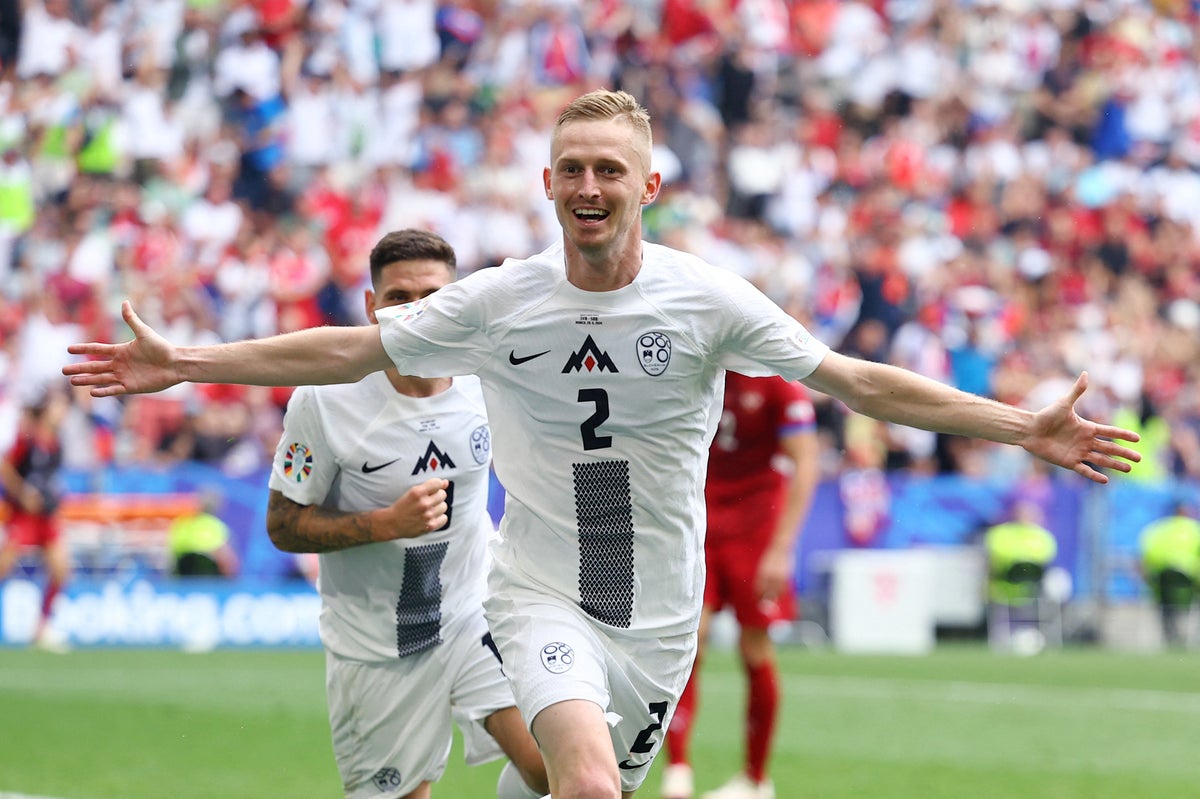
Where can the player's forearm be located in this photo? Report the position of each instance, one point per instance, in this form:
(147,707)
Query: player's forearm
(316,356)
(897,395)
(803,450)
(797,502)
(10,480)
(309,528)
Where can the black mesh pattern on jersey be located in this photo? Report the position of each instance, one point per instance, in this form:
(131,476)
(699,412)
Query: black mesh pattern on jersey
(604,514)
(419,608)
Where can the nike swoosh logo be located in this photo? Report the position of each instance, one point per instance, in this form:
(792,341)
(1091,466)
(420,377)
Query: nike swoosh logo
(368,469)
(515,361)
(625,764)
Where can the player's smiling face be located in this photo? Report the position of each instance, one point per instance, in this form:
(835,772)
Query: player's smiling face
(401,282)
(599,178)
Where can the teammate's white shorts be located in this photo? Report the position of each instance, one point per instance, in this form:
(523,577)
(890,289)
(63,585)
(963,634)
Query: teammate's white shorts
(553,653)
(391,721)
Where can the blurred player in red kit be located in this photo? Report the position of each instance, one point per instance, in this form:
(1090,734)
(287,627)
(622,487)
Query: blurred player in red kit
(762,473)
(29,474)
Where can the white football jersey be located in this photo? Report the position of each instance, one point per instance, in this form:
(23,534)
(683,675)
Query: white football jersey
(603,405)
(360,446)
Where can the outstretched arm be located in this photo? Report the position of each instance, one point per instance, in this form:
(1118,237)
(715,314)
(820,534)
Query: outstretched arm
(150,363)
(1055,434)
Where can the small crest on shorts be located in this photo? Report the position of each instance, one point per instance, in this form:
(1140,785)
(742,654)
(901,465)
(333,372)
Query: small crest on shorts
(654,352)
(387,779)
(557,657)
(298,462)
(481,444)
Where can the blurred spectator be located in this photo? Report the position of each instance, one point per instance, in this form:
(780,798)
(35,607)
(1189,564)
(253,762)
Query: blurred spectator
(1019,552)
(558,46)
(459,28)
(200,543)
(1170,565)
(258,124)
(247,63)
(211,224)
(408,37)
(51,40)
(17,209)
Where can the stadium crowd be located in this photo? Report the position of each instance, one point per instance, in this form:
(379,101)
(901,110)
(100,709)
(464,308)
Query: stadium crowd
(993,193)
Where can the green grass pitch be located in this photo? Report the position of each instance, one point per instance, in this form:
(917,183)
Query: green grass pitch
(145,724)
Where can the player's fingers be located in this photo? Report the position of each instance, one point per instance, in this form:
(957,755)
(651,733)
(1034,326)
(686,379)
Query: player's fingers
(88,367)
(1113,449)
(110,390)
(1084,470)
(437,522)
(132,319)
(434,484)
(1081,384)
(1109,462)
(91,348)
(97,379)
(1120,433)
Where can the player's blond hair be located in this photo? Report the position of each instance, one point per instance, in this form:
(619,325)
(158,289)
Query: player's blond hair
(604,104)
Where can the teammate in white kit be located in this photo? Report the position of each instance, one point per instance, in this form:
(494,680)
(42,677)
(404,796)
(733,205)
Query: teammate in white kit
(387,479)
(602,361)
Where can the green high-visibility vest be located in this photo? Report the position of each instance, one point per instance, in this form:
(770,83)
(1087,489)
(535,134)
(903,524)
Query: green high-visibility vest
(17,209)
(99,156)
(1172,543)
(202,533)
(1012,543)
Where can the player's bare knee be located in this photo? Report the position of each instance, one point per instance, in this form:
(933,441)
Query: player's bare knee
(588,783)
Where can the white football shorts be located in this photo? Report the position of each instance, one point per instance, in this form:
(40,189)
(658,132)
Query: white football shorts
(391,721)
(553,653)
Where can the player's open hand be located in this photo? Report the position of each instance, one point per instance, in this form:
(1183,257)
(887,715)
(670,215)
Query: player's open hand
(774,574)
(141,366)
(1062,437)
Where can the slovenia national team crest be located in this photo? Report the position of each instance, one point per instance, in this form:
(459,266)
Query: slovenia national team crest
(481,444)
(654,352)
(386,779)
(557,657)
(298,462)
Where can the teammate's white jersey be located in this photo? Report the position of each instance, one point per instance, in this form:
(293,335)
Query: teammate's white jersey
(604,404)
(359,447)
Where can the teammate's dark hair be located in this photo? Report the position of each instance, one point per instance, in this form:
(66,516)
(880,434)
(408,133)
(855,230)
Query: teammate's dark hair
(411,244)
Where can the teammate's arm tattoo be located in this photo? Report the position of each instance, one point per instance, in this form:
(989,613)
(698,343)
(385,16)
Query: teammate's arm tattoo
(310,528)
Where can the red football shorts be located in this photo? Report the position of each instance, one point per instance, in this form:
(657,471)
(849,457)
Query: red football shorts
(732,567)
(31,529)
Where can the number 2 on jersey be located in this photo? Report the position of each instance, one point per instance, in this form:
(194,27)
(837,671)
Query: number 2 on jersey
(599,397)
